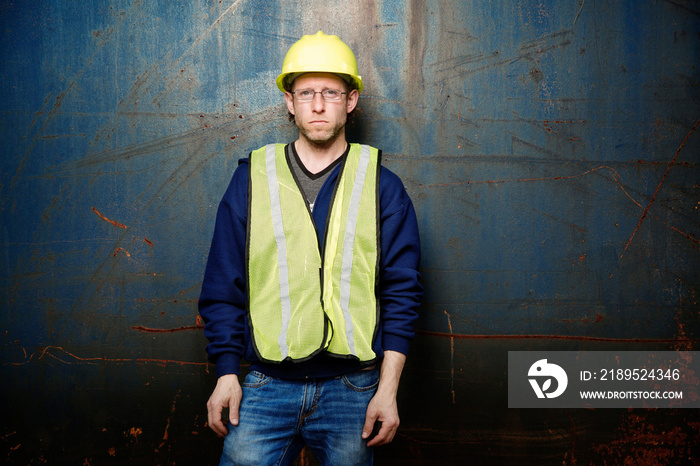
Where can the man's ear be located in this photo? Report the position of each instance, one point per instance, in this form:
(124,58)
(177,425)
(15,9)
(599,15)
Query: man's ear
(353,97)
(289,98)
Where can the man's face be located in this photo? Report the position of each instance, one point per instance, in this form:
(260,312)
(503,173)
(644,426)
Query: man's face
(320,122)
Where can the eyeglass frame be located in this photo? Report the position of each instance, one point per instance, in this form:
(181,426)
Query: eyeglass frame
(318,92)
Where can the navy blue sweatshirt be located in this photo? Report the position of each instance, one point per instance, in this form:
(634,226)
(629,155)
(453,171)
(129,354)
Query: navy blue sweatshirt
(223,301)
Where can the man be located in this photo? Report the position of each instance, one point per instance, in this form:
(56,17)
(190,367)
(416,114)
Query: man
(311,277)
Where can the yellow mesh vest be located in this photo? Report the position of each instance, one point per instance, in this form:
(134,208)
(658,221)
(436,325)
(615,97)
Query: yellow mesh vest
(299,304)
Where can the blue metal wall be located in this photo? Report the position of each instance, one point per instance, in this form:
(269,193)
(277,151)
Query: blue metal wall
(550,148)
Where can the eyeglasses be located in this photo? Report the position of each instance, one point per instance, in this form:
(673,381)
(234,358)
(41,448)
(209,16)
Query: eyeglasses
(307,95)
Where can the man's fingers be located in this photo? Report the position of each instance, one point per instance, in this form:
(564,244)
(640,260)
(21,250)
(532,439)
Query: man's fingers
(233,410)
(214,418)
(219,428)
(384,436)
(370,419)
(376,431)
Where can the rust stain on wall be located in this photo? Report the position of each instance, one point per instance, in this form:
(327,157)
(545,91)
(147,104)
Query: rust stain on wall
(113,222)
(641,440)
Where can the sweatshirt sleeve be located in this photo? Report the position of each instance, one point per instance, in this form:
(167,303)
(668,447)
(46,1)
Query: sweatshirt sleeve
(400,292)
(222,302)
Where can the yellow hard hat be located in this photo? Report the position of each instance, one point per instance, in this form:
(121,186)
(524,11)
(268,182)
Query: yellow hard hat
(319,53)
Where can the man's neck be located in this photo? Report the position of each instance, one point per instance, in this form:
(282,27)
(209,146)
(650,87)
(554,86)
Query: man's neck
(316,157)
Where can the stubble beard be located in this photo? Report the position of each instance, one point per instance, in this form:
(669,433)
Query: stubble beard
(320,138)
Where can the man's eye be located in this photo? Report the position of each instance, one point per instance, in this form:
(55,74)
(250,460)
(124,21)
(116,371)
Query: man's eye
(306,93)
(331,93)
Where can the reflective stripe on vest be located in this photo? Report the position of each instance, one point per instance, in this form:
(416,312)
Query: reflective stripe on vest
(300,305)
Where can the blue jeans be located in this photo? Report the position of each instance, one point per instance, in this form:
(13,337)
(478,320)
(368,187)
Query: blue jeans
(278,417)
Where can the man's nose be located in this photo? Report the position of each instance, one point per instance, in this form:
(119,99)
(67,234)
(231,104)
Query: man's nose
(317,103)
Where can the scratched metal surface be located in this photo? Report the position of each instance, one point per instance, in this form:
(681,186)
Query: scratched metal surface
(550,148)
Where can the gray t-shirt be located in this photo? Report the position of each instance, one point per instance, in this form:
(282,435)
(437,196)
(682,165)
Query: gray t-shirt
(310,183)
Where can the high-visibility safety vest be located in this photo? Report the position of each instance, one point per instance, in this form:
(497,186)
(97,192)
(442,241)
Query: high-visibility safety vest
(304,298)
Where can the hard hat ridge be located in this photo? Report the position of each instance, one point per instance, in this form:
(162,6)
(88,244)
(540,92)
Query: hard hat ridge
(319,53)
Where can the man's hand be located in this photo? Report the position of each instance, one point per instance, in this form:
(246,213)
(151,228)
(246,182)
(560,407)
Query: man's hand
(227,394)
(382,407)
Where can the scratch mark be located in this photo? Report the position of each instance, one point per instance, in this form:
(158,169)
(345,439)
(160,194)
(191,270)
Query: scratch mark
(64,357)
(681,232)
(573,437)
(683,7)
(115,223)
(554,337)
(651,201)
(231,9)
(553,178)
(474,63)
(168,143)
(167,424)
(160,301)
(465,35)
(211,28)
(583,2)
(121,249)
(546,214)
(148,242)
(452,358)
(515,140)
(541,41)
(614,175)
(166,330)
(57,136)
(548,126)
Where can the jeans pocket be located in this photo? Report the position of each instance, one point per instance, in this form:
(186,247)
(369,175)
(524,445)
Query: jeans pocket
(255,379)
(361,381)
